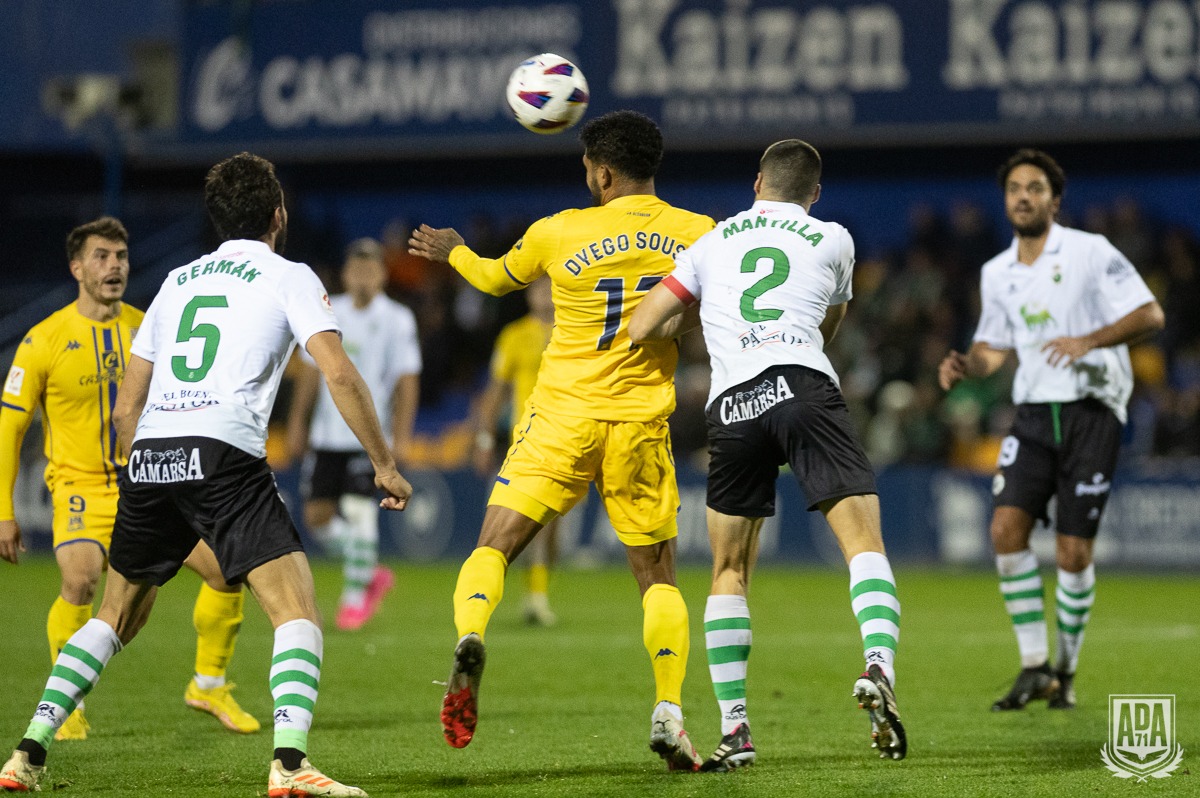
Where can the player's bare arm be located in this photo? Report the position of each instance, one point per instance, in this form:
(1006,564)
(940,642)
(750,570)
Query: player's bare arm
(981,360)
(131,399)
(434,244)
(1140,322)
(10,541)
(659,316)
(353,401)
(304,396)
(834,315)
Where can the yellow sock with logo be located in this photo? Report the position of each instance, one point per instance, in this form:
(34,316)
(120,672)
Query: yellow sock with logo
(217,617)
(64,620)
(479,590)
(539,579)
(665,633)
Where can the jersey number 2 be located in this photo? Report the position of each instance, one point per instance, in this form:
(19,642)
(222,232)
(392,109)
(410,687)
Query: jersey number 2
(615,288)
(188,329)
(779,272)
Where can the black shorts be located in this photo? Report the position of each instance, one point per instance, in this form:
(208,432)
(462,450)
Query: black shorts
(177,491)
(755,427)
(331,474)
(1068,450)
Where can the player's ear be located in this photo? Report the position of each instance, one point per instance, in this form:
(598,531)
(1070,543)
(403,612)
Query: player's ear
(605,176)
(76,268)
(816,195)
(758,185)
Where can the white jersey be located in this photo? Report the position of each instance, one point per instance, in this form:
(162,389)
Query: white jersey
(381,340)
(219,334)
(1078,284)
(765,278)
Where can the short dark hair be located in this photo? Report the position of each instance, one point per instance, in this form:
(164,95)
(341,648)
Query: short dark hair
(626,142)
(241,194)
(106,227)
(1054,173)
(791,169)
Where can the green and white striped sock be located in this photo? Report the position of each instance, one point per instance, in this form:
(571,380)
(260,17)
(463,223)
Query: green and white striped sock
(1021,586)
(877,608)
(361,548)
(76,671)
(295,676)
(727,638)
(1074,595)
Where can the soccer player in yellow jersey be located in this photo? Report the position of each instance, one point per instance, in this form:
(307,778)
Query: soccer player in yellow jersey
(514,369)
(70,365)
(598,412)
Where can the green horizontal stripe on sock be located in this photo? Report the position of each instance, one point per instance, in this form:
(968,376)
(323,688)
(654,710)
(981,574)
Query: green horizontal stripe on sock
(1069,629)
(1076,596)
(723,654)
(727,691)
(84,657)
(879,640)
(58,699)
(297,653)
(1029,617)
(293,700)
(726,623)
(359,564)
(1017,577)
(77,679)
(294,676)
(40,733)
(1024,594)
(878,612)
(871,586)
(1073,610)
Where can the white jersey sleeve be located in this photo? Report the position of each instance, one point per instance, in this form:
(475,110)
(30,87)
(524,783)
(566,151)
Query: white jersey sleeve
(843,289)
(307,306)
(994,328)
(145,343)
(685,276)
(1120,289)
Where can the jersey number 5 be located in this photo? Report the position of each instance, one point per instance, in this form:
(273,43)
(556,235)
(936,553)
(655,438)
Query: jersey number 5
(615,288)
(188,329)
(779,272)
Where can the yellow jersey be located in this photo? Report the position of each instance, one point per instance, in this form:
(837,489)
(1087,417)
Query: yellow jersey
(71,367)
(601,262)
(517,356)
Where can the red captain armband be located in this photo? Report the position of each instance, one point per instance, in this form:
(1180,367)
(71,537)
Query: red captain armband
(681,293)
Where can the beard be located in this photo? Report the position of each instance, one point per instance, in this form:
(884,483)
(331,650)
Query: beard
(1034,228)
(594,188)
(281,239)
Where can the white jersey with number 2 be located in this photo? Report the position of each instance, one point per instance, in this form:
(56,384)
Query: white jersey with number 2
(765,278)
(219,334)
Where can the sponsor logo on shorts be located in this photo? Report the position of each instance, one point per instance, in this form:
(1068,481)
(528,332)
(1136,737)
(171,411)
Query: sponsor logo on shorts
(1141,737)
(997,484)
(174,465)
(746,405)
(75,523)
(1097,487)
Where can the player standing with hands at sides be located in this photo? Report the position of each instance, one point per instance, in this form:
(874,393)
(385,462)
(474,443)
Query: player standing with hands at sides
(597,414)
(71,365)
(192,414)
(380,336)
(514,369)
(773,283)
(1068,302)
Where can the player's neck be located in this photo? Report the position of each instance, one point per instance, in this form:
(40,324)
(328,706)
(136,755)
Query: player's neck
(361,301)
(94,310)
(628,188)
(1029,248)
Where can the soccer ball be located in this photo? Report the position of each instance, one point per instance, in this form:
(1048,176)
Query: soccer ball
(547,93)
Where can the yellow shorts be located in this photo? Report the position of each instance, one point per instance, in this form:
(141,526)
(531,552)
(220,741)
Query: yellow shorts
(84,510)
(553,459)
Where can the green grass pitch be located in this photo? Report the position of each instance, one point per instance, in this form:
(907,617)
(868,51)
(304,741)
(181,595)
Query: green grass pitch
(565,711)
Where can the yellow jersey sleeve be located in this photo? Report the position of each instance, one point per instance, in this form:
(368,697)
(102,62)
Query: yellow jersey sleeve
(22,394)
(525,262)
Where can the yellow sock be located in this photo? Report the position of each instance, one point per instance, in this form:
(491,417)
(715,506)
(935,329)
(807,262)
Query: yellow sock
(217,618)
(539,578)
(480,588)
(64,620)
(665,633)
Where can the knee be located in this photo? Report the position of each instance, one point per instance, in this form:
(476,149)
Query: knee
(1007,535)
(79,585)
(1073,555)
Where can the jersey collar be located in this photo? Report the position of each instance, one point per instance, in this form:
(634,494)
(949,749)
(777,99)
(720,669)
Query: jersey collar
(244,245)
(634,201)
(1053,244)
(773,206)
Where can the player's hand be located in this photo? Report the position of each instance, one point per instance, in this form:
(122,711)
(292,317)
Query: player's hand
(434,244)
(10,541)
(395,486)
(952,369)
(1065,351)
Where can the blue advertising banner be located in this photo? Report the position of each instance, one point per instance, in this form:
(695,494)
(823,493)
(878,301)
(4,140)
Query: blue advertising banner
(335,76)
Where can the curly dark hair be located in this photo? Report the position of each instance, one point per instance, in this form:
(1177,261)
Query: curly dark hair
(627,142)
(106,227)
(241,194)
(1054,173)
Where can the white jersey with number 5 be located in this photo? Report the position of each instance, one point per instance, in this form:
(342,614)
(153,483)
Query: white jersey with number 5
(765,278)
(219,334)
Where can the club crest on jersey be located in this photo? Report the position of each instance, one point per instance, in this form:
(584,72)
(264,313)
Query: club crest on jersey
(16,379)
(750,404)
(173,465)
